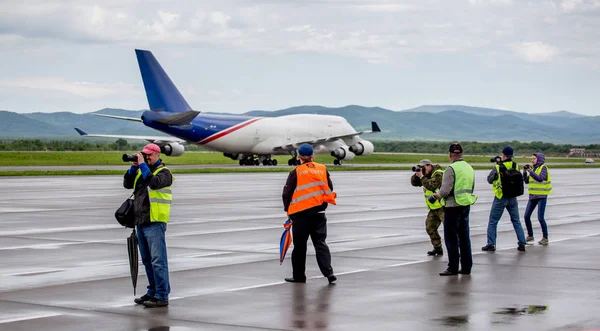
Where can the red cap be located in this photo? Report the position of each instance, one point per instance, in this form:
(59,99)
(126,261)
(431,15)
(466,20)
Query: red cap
(151,148)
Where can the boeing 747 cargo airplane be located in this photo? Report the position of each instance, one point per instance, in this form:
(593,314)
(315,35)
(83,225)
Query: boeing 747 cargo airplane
(251,140)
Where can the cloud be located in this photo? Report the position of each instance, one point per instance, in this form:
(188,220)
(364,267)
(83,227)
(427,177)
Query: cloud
(377,31)
(80,89)
(536,52)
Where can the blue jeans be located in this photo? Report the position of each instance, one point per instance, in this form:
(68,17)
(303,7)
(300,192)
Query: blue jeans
(153,250)
(456,236)
(512,205)
(541,204)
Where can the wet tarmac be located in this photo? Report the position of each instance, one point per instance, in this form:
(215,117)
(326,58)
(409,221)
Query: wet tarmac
(64,261)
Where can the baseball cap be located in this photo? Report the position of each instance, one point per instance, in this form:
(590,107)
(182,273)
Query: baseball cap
(424,162)
(305,150)
(151,148)
(507,151)
(455,148)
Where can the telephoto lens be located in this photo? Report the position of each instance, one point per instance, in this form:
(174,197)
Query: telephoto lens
(129,158)
(416,168)
(495,159)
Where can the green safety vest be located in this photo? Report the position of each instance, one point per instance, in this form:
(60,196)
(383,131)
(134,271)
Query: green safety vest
(497,184)
(464,180)
(160,200)
(540,188)
(438,204)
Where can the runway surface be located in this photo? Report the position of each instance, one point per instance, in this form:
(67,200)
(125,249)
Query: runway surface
(64,261)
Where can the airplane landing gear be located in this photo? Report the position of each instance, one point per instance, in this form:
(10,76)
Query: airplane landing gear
(337,162)
(293,162)
(249,161)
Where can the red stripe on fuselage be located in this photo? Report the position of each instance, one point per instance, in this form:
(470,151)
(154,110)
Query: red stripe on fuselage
(226,132)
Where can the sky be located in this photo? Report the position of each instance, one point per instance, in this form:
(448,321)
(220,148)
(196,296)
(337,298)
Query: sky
(234,56)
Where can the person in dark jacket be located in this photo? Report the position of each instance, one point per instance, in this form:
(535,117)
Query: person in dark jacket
(540,186)
(151,181)
(305,206)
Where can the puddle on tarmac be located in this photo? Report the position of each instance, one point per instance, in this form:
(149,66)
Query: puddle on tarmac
(453,320)
(525,310)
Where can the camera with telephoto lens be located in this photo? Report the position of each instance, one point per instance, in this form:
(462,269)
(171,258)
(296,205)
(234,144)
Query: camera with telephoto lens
(133,157)
(527,167)
(417,168)
(496,159)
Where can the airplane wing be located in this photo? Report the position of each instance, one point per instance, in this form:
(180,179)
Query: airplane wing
(120,117)
(156,139)
(319,141)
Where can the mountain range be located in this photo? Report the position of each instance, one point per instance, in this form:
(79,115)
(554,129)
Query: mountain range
(435,122)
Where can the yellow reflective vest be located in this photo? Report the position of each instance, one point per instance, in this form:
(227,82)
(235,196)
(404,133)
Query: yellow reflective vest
(464,181)
(160,200)
(540,188)
(439,203)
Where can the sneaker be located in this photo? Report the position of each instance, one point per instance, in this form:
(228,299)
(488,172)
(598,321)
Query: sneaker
(155,303)
(521,248)
(529,238)
(142,299)
(544,241)
(293,280)
(331,279)
(488,248)
(437,251)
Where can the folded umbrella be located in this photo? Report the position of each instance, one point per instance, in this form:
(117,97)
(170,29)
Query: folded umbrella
(132,251)
(286,240)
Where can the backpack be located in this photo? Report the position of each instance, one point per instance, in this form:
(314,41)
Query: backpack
(512,181)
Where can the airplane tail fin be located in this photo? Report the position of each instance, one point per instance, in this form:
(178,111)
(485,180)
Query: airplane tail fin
(161,92)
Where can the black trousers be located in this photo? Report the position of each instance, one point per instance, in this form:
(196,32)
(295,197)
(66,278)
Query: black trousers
(315,226)
(457,237)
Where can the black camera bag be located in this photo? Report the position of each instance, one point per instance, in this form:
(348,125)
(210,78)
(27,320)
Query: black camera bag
(125,214)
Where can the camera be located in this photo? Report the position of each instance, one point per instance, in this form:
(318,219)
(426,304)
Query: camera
(496,159)
(417,168)
(527,167)
(133,157)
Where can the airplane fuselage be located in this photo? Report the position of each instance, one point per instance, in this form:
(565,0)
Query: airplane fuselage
(257,135)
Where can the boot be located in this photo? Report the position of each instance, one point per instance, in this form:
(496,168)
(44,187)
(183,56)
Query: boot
(437,251)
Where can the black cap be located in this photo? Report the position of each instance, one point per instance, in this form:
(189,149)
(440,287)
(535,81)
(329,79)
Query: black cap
(455,148)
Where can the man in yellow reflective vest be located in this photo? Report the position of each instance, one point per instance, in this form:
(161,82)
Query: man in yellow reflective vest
(502,201)
(306,194)
(457,191)
(151,183)
(429,177)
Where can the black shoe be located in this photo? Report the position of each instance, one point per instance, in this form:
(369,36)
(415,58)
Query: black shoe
(154,303)
(462,272)
(292,280)
(437,251)
(448,272)
(142,299)
(521,248)
(488,248)
(331,279)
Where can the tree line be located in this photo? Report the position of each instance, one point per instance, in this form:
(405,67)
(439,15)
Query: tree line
(426,147)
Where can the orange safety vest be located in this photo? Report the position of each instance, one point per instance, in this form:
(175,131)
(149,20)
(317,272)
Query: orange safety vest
(312,188)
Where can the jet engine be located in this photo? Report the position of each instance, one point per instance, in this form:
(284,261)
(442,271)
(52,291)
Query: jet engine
(343,153)
(233,156)
(363,147)
(173,149)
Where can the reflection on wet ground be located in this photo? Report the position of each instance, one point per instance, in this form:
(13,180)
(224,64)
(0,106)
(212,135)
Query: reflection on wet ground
(527,310)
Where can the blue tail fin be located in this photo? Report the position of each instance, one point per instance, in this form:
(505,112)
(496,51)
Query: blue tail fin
(161,92)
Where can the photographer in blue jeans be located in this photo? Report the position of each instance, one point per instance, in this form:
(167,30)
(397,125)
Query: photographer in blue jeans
(151,183)
(501,202)
(540,186)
